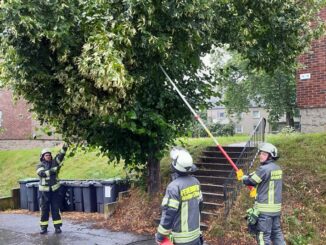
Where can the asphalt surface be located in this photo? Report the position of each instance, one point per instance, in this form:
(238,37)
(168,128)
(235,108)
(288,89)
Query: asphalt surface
(23,229)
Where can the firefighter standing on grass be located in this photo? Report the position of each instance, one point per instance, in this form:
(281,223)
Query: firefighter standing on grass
(49,185)
(268,179)
(181,203)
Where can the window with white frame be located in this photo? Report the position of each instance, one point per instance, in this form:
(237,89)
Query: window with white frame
(256,114)
(222,114)
(238,129)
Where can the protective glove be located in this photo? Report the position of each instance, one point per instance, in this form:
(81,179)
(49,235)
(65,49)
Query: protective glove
(65,147)
(244,178)
(159,238)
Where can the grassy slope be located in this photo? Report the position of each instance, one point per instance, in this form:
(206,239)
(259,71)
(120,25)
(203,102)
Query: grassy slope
(20,164)
(303,159)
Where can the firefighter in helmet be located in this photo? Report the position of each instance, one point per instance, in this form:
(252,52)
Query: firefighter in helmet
(182,203)
(268,179)
(49,198)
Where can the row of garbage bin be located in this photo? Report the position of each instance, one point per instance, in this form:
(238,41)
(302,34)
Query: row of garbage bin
(76,195)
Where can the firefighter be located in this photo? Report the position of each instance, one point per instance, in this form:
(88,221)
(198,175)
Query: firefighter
(49,197)
(268,179)
(182,203)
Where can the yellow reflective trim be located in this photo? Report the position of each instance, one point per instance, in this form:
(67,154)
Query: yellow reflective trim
(57,222)
(256,178)
(39,170)
(55,187)
(270,208)
(44,222)
(271,192)
(276,174)
(163,231)
(165,201)
(173,203)
(190,192)
(58,161)
(43,188)
(184,217)
(184,237)
(261,238)
(47,172)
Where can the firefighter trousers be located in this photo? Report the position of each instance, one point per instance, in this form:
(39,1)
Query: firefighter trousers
(269,230)
(50,200)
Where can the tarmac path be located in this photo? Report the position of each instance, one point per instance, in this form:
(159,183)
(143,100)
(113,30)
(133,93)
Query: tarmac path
(23,229)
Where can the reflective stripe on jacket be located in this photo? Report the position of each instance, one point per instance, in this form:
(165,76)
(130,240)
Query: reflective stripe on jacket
(269,180)
(48,173)
(180,210)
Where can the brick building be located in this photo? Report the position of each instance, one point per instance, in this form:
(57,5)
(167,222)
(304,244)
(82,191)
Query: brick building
(15,119)
(311,86)
(16,122)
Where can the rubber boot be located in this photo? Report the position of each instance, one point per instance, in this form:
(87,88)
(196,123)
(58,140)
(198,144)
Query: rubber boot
(44,230)
(57,230)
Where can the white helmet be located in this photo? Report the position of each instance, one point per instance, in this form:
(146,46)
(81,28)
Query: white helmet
(182,160)
(269,148)
(45,150)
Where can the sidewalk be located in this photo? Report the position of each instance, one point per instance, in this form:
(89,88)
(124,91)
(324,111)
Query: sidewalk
(23,229)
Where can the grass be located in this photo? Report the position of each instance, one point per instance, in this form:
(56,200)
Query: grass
(20,164)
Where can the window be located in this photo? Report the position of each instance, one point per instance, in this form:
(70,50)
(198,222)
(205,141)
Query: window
(0,118)
(222,115)
(238,129)
(256,114)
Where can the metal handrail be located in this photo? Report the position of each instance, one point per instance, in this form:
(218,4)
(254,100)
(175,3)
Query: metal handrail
(246,159)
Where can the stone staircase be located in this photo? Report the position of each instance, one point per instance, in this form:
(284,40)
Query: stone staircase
(213,170)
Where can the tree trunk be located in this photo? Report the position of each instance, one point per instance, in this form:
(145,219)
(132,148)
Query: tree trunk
(289,119)
(153,175)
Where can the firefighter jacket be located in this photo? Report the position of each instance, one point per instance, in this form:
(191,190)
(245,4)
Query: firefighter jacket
(48,172)
(181,210)
(268,179)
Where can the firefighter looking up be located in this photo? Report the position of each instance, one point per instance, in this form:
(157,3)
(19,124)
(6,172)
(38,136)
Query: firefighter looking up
(268,179)
(182,203)
(49,199)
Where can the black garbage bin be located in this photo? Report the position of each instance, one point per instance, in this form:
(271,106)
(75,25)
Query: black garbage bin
(122,184)
(106,192)
(78,196)
(32,196)
(89,197)
(67,194)
(23,191)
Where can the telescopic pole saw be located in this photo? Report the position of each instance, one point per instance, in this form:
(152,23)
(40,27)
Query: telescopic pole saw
(239,172)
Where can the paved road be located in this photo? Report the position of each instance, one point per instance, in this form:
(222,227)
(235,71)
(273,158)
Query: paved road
(22,229)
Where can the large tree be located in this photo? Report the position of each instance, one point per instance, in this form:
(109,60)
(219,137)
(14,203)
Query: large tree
(90,67)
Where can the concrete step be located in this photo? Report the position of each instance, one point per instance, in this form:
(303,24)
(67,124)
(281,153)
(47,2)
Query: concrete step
(207,216)
(212,206)
(217,180)
(229,148)
(214,166)
(212,159)
(219,154)
(211,172)
(213,197)
(211,188)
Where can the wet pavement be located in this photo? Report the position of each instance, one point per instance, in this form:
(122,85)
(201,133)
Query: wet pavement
(23,229)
